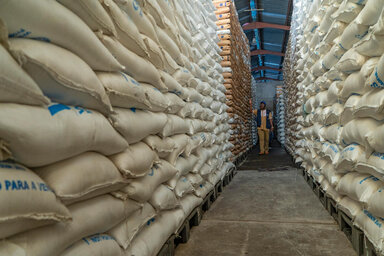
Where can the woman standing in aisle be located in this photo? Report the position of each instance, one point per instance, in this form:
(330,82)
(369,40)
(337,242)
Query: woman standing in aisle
(264,123)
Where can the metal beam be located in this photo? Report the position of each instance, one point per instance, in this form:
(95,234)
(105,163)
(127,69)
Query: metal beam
(265,52)
(266,68)
(259,25)
(266,78)
(286,34)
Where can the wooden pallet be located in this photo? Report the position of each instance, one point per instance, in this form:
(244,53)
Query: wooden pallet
(310,181)
(354,234)
(332,208)
(369,248)
(322,197)
(219,188)
(194,219)
(360,243)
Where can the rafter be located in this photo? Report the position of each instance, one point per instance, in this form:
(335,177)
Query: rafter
(265,68)
(259,25)
(265,52)
(266,78)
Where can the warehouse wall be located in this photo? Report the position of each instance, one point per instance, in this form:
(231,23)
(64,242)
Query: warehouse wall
(266,92)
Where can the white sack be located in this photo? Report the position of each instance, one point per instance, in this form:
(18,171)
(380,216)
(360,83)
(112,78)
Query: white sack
(141,189)
(135,124)
(93,216)
(126,231)
(135,161)
(35,131)
(16,85)
(358,186)
(60,74)
(124,91)
(64,29)
(95,245)
(30,202)
(82,177)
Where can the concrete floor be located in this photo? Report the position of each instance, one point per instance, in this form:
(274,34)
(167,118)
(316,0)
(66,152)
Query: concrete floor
(267,213)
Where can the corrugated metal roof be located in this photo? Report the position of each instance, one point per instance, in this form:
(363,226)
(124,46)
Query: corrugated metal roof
(274,12)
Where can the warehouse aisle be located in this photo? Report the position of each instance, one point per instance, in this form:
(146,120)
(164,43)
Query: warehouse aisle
(267,213)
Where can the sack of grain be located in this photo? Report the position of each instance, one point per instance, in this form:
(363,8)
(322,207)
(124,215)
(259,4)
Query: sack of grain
(34,137)
(82,177)
(16,85)
(95,245)
(164,199)
(195,179)
(370,13)
(93,14)
(139,18)
(124,91)
(374,165)
(93,216)
(139,68)
(358,131)
(333,116)
(126,231)
(172,84)
(349,157)
(358,186)
(376,139)
(330,191)
(189,203)
(349,108)
(156,233)
(204,189)
(158,101)
(60,74)
(195,142)
(135,124)
(167,43)
(351,61)
(64,29)
(335,31)
(163,146)
(155,53)
(206,169)
(30,202)
(127,32)
(175,103)
(331,174)
(175,125)
(170,65)
(350,207)
(371,104)
(347,12)
(186,165)
(183,187)
(355,82)
(136,161)
(181,142)
(353,33)
(372,227)
(375,203)
(371,45)
(331,151)
(141,189)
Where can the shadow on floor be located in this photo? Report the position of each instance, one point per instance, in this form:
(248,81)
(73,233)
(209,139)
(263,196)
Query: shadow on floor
(277,160)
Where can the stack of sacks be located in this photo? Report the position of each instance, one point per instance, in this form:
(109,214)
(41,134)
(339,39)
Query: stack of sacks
(115,131)
(236,67)
(280,119)
(340,73)
(254,105)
